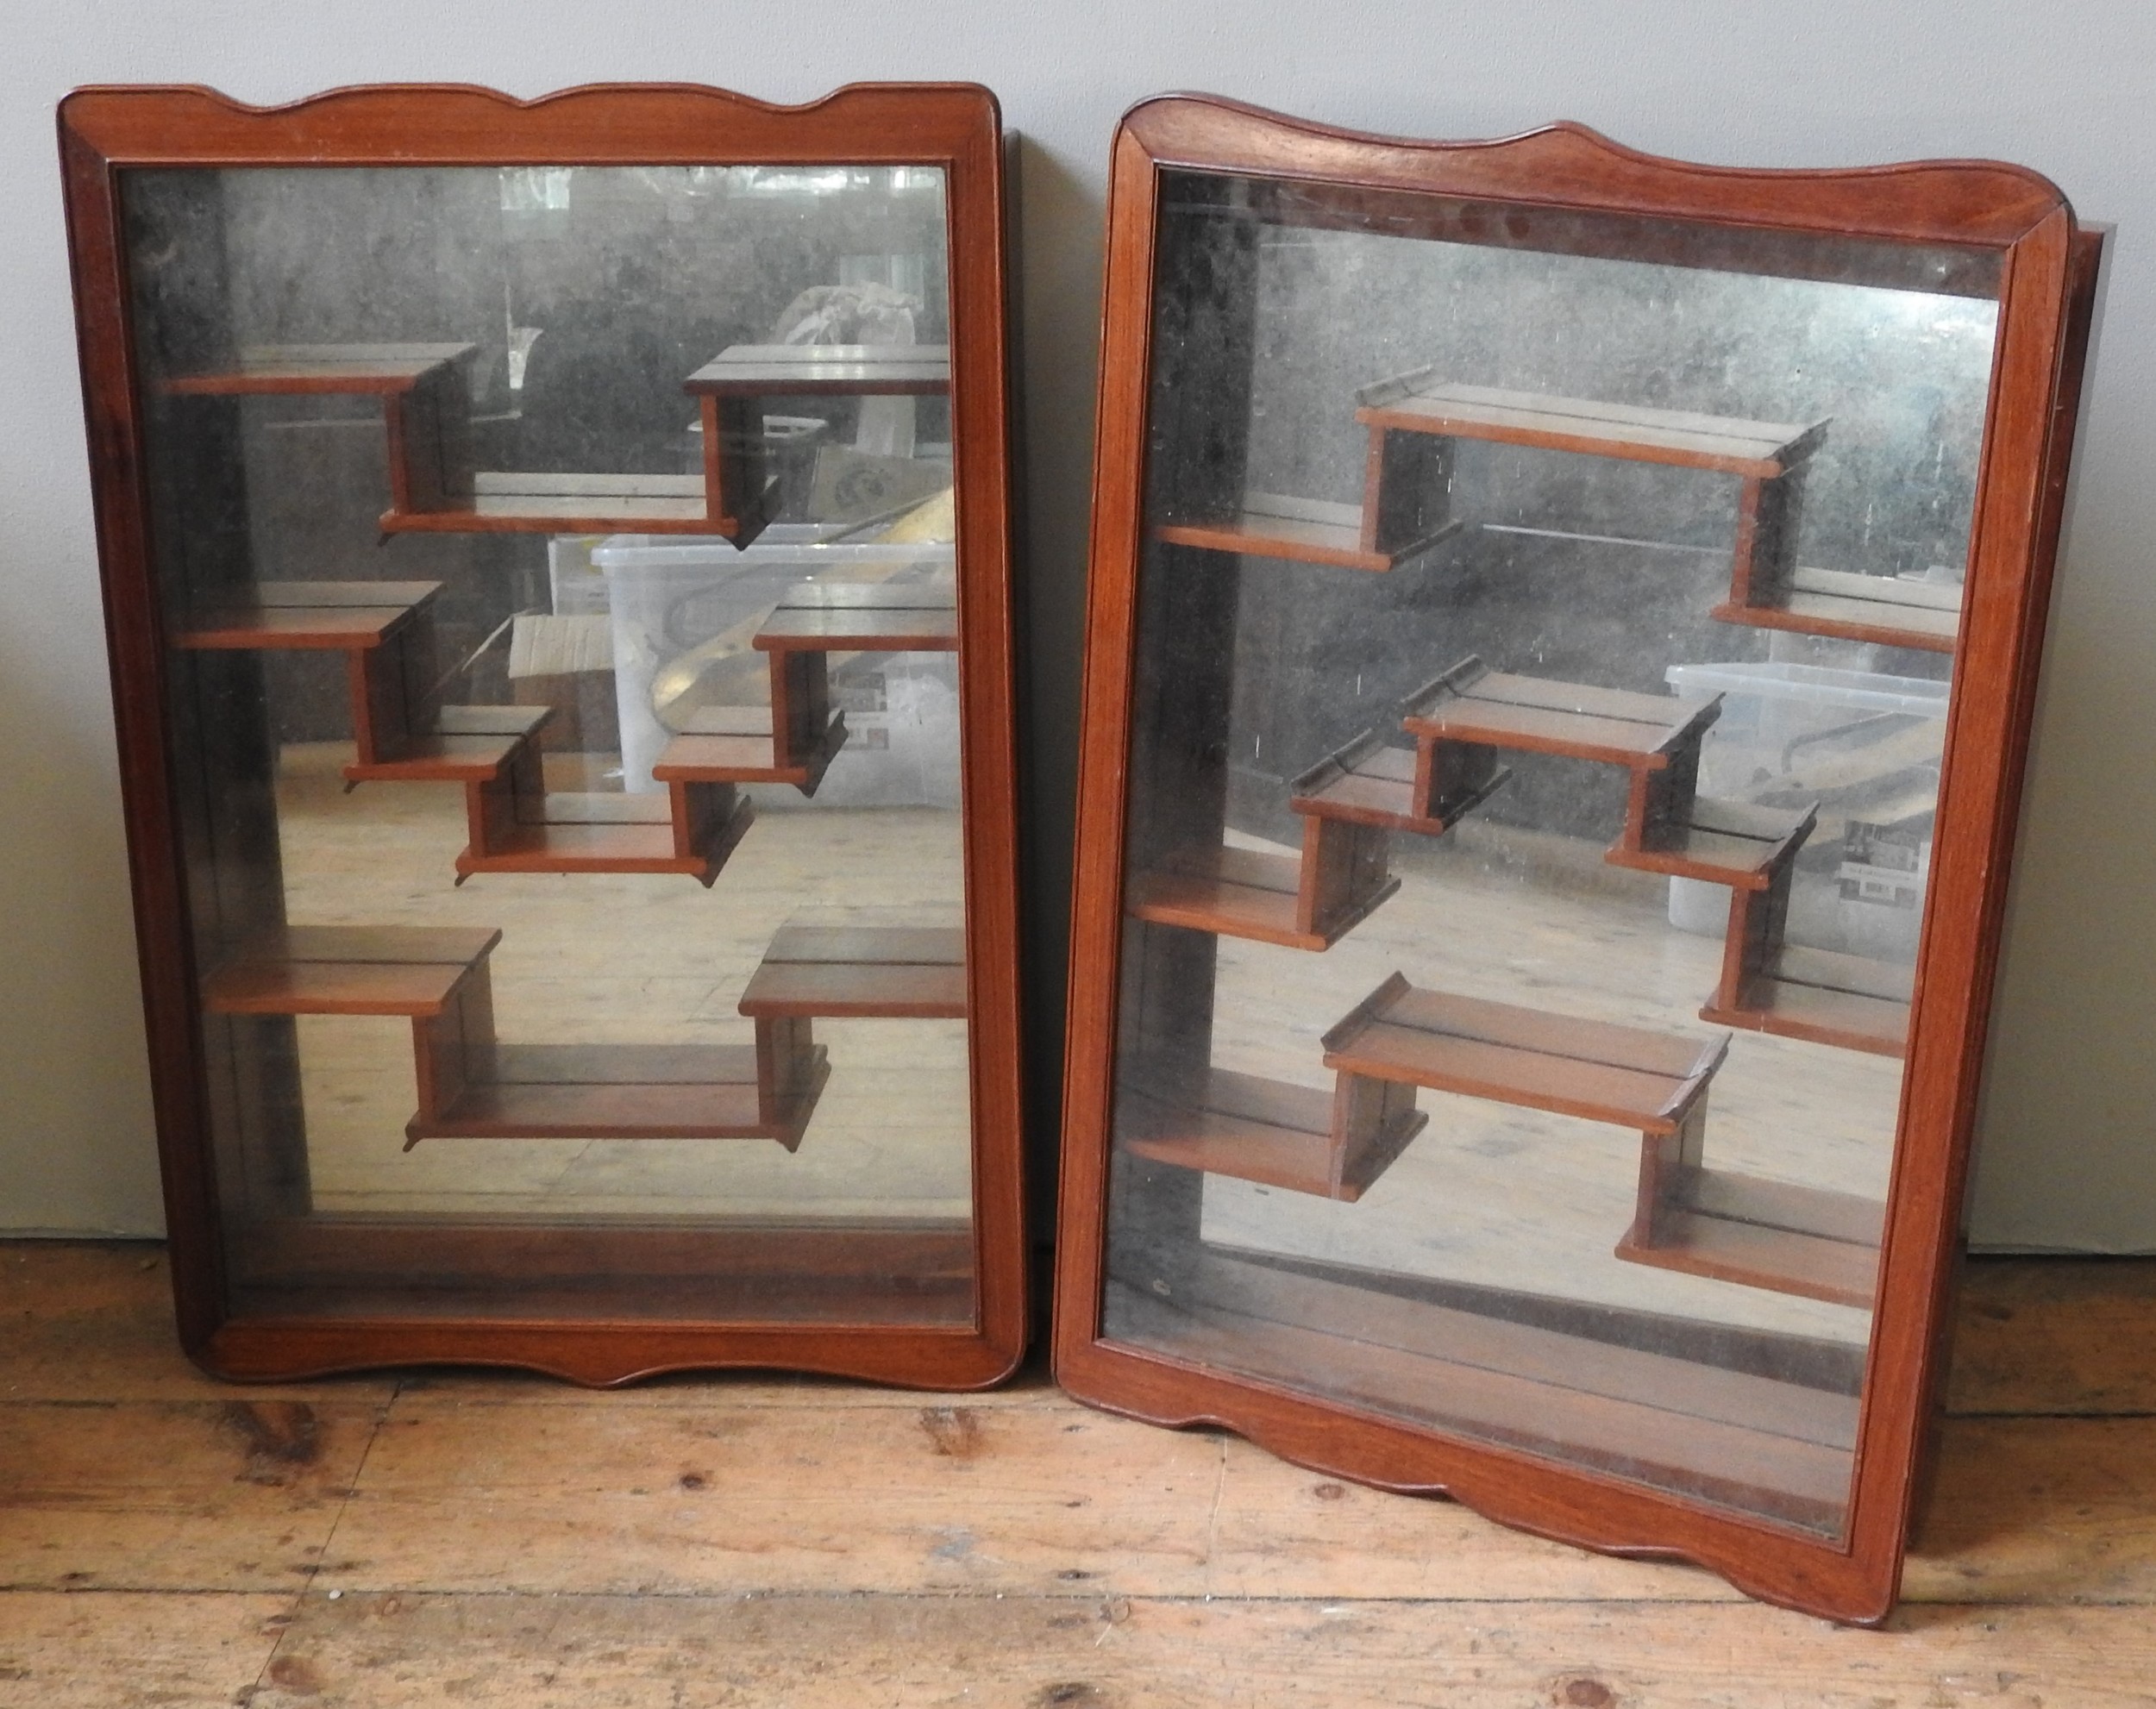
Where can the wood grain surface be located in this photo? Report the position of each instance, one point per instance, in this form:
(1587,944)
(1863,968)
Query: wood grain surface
(499,1539)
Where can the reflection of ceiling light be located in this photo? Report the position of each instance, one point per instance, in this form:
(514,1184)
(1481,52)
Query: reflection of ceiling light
(792,180)
(534,189)
(1927,314)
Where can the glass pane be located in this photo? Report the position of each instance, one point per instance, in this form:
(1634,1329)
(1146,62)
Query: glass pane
(1544,635)
(586,534)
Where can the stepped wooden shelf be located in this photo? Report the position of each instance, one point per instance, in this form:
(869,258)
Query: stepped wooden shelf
(469,1084)
(825,371)
(1421,401)
(1763,1234)
(1745,1229)
(862,616)
(1734,842)
(1768,459)
(1768,985)
(513,823)
(1884,609)
(501,501)
(305,370)
(1351,802)
(1309,903)
(434,488)
(487,749)
(1336,1144)
(422,972)
(730,387)
(384,629)
(425,400)
(1461,719)
(1655,1082)
(692,830)
(467,743)
(1366,783)
(794,739)
(1298,1138)
(1849,1001)
(1307,530)
(811,622)
(896,973)
(736,744)
(891,973)
(623,1091)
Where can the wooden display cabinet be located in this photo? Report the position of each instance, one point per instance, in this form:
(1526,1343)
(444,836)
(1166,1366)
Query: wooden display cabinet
(1394,1138)
(391,389)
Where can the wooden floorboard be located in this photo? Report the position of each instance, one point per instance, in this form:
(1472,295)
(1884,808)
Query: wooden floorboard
(2068,1335)
(239,1494)
(79,1650)
(824,1652)
(454,1537)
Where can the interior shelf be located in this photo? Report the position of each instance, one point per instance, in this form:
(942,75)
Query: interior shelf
(1333,1144)
(1884,609)
(426,411)
(511,502)
(1732,842)
(618,1091)
(892,973)
(1761,1233)
(794,741)
(1462,718)
(328,616)
(1851,1001)
(1367,783)
(736,744)
(513,825)
(1273,899)
(303,369)
(384,629)
(1421,401)
(904,972)
(824,370)
(470,1085)
(836,616)
(731,389)
(1471,703)
(468,745)
(349,970)
(1305,530)
(1630,1076)
(1767,588)
(691,829)
(425,399)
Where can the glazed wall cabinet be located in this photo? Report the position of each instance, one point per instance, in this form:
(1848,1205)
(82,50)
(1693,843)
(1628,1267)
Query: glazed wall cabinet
(556,558)
(1563,631)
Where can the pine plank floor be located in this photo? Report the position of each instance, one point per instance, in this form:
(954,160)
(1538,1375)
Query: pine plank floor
(494,1540)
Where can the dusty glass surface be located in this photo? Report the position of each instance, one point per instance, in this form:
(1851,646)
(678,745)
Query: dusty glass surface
(558,577)
(1545,626)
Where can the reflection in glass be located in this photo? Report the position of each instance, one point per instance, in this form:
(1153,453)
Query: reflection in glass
(578,533)
(1545,632)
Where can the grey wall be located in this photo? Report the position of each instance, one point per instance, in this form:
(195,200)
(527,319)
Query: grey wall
(2066,1160)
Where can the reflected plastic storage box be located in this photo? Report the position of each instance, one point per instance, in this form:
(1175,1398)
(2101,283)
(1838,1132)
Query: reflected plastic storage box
(684,615)
(1866,747)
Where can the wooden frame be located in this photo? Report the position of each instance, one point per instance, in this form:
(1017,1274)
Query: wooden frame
(1588,198)
(930,1304)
